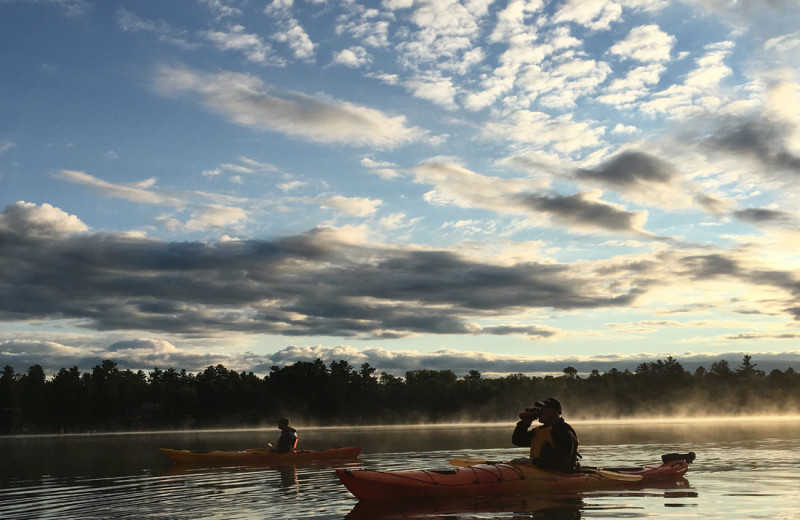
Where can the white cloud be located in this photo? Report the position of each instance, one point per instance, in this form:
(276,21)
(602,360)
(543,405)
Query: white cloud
(26,218)
(297,39)
(699,91)
(434,88)
(624,129)
(163,31)
(538,128)
(353,57)
(594,14)
(784,43)
(236,39)
(351,206)
(246,101)
(136,192)
(647,43)
(215,216)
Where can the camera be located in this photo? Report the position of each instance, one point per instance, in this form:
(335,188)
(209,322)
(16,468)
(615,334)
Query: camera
(529,414)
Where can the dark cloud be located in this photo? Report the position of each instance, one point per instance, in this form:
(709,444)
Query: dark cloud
(318,284)
(308,284)
(586,212)
(765,216)
(761,139)
(711,266)
(629,170)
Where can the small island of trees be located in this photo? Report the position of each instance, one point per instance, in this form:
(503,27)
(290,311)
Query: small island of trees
(111,399)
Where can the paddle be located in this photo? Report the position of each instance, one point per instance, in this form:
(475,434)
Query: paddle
(612,475)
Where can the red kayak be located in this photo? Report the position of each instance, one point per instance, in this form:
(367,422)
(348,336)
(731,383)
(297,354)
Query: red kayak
(262,457)
(503,478)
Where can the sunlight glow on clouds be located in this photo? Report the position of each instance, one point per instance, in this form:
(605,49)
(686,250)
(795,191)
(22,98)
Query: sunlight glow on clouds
(489,184)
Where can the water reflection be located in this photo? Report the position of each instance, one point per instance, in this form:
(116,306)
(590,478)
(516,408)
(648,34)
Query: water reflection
(566,506)
(561,507)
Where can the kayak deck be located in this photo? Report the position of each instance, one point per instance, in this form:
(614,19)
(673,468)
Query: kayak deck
(497,479)
(259,456)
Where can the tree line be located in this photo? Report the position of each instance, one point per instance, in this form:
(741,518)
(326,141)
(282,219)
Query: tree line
(313,393)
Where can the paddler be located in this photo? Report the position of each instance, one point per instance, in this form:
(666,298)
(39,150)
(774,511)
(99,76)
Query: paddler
(554,444)
(288,439)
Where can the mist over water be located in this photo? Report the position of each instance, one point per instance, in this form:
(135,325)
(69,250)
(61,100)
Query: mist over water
(745,468)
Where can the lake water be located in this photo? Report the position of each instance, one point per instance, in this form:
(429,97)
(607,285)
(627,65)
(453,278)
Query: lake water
(744,470)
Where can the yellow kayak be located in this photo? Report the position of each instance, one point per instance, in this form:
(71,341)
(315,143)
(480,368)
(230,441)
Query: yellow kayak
(259,457)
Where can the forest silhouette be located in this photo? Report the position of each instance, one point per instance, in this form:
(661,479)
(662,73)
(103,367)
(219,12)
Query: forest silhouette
(312,393)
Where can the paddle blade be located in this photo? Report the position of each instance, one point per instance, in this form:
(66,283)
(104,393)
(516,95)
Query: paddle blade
(467,461)
(614,475)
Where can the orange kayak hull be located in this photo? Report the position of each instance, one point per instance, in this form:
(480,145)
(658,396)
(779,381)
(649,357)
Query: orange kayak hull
(495,479)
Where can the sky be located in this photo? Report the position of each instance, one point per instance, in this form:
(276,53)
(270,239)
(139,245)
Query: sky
(502,186)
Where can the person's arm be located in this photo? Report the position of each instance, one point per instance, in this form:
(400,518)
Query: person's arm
(521,435)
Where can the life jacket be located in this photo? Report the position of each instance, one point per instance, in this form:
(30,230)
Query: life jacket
(542,442)
(288,440)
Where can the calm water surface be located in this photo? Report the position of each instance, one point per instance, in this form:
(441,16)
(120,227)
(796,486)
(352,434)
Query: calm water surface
(744,470)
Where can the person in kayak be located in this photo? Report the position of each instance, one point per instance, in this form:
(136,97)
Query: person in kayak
(554,444)
(288,440)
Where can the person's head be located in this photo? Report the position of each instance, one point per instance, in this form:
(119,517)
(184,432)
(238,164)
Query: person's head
(549,410)
(283,423)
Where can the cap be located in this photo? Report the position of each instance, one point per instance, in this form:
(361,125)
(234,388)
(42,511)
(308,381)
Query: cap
(283,420)
(550,402)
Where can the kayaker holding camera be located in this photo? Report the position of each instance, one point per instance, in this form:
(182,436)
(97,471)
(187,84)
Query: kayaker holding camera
(554,444)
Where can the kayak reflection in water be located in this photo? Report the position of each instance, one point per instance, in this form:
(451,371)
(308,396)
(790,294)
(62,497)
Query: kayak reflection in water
(554,444)
(288,440)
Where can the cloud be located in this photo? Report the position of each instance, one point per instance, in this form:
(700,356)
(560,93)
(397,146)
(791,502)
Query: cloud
(327,281)
(136,192)
(234,38)
(352,206)
(163,31)
(699,91)
(765,216)
(245,100)
(586,212)
(145,354)
(593,14)
(353,57)
(582,212)
(383,169)
(134,354)
(45,221)
(204,215)
(540,129)
(761,139)
(215,216)
(336,282)
(644,178)
(434,88)
(69,7)
(221,8)
(246,166)
(297,39)
(635,85)
(646,43)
